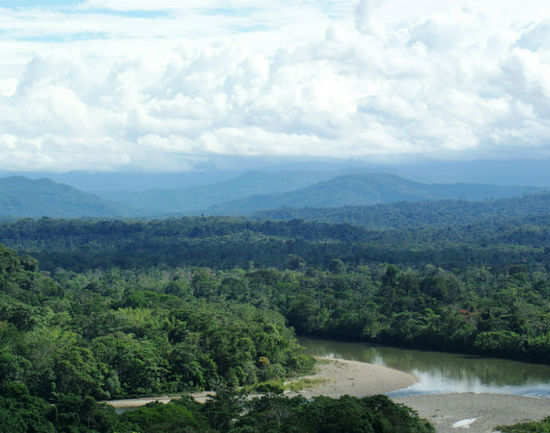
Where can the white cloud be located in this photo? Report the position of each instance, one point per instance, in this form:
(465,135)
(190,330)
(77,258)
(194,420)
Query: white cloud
(89,88)
(365,18)
(8,87)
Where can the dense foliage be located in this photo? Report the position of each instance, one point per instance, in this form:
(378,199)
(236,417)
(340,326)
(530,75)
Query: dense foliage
(405,215)
(111,336)
(227,243)
(499,309)
(476,310)
(144,307)
(226,413)
(229,413)
(84,337)
(152,265)
(527,427)
(69,341)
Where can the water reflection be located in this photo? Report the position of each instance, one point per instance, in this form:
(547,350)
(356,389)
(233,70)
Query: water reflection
(444,372)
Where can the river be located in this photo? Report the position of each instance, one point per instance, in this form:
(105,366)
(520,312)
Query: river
(444,372)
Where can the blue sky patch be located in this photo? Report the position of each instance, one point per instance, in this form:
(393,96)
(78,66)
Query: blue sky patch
(70,6)
(127,13)
(83,36)
(241,12)
(15,4)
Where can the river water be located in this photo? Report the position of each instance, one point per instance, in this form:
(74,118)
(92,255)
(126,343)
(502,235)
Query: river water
(444,372)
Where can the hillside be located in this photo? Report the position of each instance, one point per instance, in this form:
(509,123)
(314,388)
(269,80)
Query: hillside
(421,214)
(362,190)
(193,200)
(22,197)
(318,197)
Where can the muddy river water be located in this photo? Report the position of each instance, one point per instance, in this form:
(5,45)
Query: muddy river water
(444,372)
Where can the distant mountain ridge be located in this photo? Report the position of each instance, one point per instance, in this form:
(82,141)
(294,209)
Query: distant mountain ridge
(239,196)
(363,190)
(217,169)
(22,197)
(195,199)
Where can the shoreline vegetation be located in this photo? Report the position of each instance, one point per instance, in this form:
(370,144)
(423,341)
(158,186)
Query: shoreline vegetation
(335,378)
(477,289)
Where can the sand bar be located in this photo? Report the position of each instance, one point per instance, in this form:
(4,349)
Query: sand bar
(359,379)
(465,412)
(132,403)
(476,413)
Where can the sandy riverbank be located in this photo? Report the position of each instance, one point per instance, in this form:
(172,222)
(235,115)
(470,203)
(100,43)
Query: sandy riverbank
(359,379)
(476,413)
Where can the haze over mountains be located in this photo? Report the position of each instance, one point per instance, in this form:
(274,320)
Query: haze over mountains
(198,199)
(363,190)
(533,172)
(243,194)
(22,197)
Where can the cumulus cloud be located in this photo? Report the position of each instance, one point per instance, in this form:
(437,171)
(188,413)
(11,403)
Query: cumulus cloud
(324,79)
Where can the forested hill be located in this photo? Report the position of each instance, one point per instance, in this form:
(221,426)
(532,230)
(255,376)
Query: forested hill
(225,243)
(421,214)
(22,197)
(367,189)
(182,199)
(70,340)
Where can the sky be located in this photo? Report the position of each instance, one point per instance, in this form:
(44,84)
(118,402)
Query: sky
(165,85)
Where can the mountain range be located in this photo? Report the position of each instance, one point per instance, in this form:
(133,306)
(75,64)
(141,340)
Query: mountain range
(22,197)
(196,199)
(243,195)
(367,189)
